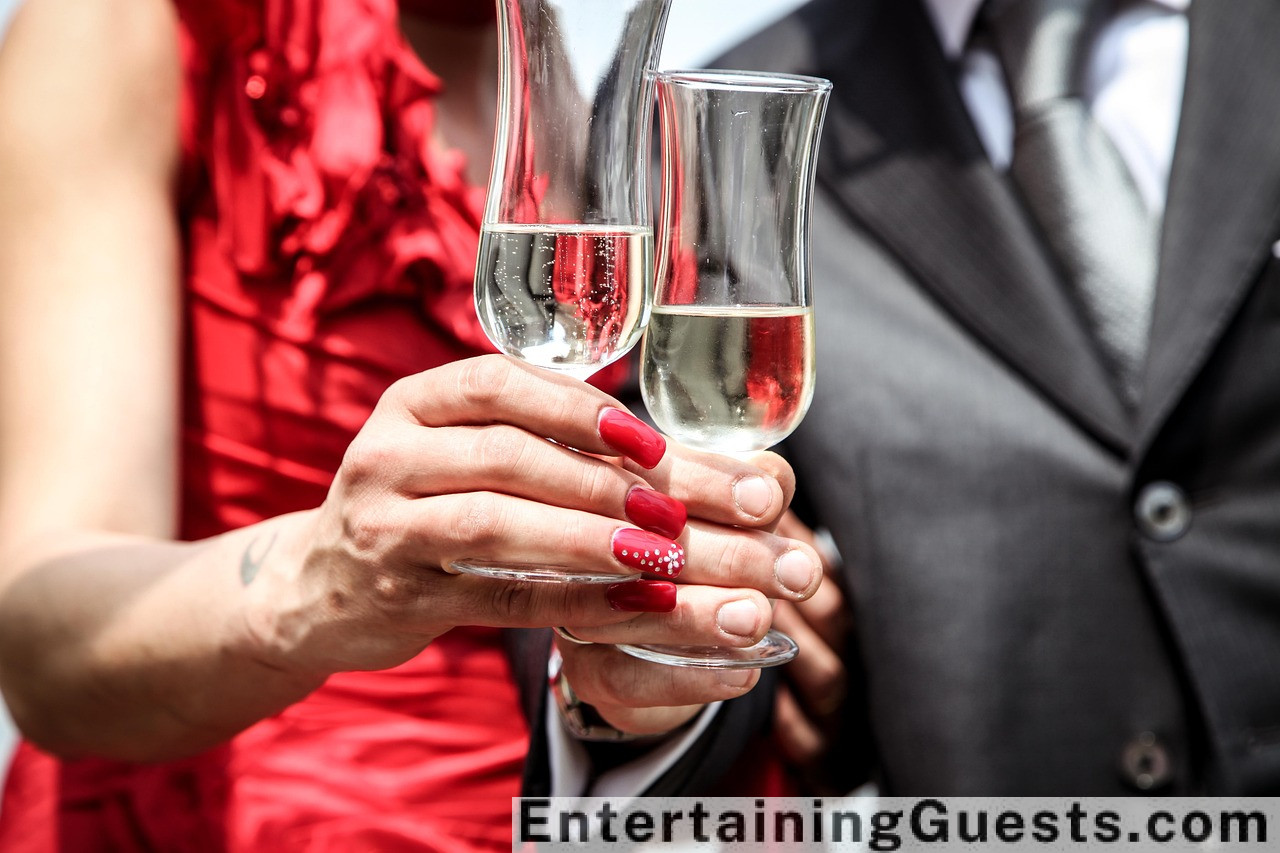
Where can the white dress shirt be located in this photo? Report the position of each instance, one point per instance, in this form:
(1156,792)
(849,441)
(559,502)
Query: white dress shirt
(1133,84)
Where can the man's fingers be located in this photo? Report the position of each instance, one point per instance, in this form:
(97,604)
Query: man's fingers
(609,679)
(799,739)
(825,611)
(827,614)
(817,674)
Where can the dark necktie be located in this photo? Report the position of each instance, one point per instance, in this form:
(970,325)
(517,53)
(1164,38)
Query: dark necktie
(1071,176)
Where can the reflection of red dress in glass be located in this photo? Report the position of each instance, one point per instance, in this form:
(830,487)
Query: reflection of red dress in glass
(329,251)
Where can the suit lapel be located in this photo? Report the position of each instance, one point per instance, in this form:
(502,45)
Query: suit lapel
(902,158)
(1223,210)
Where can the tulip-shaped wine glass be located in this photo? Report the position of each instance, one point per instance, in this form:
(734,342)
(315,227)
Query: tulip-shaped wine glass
(728,361)
(564,278)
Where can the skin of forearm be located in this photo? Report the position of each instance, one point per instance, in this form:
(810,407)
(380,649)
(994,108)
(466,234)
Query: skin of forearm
(150,655)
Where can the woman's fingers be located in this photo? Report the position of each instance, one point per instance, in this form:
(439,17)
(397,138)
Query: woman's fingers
(703,616)
(507,459)
(497,389)
(751,492)
(435,531)
(468,599)
(817,676)
(810,711)
(376,608)
(510,406)
(732,557)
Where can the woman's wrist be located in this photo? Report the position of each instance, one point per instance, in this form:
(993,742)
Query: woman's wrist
(278,619)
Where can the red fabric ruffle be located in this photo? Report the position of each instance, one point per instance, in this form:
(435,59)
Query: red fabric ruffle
(311,123)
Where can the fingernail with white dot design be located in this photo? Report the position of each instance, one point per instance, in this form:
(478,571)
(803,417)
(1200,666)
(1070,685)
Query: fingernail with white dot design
(648,552)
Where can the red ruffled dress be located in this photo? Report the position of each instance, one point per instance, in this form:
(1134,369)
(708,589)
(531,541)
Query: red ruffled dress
(329,251)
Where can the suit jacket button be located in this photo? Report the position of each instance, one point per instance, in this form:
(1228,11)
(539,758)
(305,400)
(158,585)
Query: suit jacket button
(1145,763)
(1162,511)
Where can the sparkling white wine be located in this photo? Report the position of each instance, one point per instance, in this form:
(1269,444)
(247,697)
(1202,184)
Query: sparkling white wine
(728,378)
(567,297)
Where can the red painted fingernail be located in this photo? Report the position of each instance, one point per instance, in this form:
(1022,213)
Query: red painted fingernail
(642,596)
(648,552)
(655,511)
(632,437)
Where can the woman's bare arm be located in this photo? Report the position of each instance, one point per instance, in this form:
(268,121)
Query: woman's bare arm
(88,265)
(88,394)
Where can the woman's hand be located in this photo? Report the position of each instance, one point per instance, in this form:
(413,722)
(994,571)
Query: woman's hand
(454,463)
(736,565)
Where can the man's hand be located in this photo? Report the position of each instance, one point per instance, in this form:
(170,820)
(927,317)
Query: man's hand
(811,702)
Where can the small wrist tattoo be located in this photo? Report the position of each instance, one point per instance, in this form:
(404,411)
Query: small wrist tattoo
(249,564)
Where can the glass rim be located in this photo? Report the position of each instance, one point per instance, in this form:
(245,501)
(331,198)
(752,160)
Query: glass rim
(734,80)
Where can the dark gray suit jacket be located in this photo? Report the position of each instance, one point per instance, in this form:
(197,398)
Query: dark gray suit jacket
(1053,594)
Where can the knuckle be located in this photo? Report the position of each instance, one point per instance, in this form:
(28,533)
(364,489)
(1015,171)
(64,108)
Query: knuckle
(570,405)
(598,485)
(395,398)
(482,381)
(368,532)
(499,450)
(828,673)
(689,620)
(736,558)
(394,591)
(367,457)
(510,602)
(582,667)
(689,479)
(574,607)
(479,523)
(624,683)
(402,389)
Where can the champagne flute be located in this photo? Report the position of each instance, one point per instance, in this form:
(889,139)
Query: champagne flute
(728,361)
(564,277)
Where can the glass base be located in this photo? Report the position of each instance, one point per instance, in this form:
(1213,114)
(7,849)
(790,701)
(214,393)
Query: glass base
(536,572)
(775,649)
